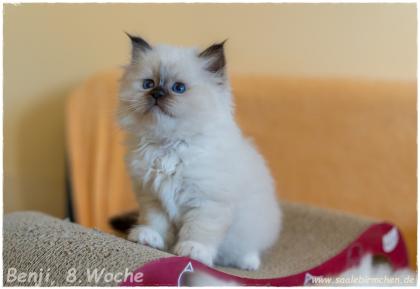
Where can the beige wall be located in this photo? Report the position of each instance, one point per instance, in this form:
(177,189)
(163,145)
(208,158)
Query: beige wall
(48,49)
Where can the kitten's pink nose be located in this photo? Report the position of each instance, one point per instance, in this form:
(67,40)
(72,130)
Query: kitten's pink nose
(158,92)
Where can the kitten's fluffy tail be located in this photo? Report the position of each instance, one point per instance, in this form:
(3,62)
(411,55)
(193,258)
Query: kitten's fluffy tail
(124,222)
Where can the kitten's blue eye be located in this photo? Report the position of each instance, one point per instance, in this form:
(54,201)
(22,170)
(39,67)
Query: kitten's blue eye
(178,87)
(148,83)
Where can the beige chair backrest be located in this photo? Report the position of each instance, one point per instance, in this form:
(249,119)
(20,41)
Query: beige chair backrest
(348,145)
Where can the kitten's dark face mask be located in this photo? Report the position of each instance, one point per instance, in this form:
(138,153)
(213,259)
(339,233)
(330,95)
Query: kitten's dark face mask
(159,94)
(159,97)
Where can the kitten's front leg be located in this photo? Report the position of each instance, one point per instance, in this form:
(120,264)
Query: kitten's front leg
(202,230)
(154,228)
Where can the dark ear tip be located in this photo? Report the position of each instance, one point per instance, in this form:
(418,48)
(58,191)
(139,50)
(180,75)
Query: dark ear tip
(215,48)
(128,34)
(220,45)
(216,55)
(137,41)
(132,37)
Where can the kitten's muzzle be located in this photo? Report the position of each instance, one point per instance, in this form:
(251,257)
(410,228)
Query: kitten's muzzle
(158,92)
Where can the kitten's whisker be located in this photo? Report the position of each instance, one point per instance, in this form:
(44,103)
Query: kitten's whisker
(128,100)
(134,106)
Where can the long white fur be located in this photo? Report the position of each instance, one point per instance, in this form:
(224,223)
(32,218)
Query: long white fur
(204,191)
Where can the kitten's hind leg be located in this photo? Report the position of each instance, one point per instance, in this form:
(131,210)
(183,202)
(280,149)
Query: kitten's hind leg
(203,229)
(249,261)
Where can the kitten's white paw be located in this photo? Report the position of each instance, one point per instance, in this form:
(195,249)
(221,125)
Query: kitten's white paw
(146,236)
(196,251)
(250,262)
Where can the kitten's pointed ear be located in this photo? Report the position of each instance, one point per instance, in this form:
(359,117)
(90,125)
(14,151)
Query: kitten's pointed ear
(215,56)
(138,45)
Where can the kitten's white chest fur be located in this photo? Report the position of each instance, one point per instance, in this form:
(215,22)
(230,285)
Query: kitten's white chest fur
(159,167)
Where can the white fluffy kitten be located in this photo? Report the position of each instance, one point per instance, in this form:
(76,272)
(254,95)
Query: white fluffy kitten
(203,189)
